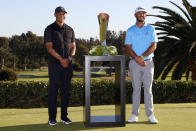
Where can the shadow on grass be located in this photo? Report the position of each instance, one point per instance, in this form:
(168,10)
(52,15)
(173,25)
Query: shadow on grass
(140,122)
(75,126)
(93,75)
(31,76)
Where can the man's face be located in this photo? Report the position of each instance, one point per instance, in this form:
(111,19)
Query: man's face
(60,17)
(140,16)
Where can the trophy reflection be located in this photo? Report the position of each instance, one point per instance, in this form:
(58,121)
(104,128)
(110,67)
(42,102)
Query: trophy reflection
(103,19)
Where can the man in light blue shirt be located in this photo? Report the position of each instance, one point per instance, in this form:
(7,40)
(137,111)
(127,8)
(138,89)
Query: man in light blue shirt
(141,41)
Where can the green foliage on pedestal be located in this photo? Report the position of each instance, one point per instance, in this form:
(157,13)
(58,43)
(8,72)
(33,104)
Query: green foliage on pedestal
(99,50)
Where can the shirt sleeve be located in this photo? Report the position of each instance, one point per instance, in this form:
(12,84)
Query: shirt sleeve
(73,36)
(153,36)
(128,39)
(47,35)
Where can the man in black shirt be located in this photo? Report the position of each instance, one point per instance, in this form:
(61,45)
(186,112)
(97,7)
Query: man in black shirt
(59,40)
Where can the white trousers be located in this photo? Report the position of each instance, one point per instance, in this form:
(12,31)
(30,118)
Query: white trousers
(141,75)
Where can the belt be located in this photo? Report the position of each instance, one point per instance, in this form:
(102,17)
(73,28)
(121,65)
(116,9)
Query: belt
(144,60)
(148,59)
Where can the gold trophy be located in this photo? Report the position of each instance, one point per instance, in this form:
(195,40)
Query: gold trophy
(103,49)
(103,19)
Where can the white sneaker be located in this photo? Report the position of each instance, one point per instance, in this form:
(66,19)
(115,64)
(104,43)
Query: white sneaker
(133,119)
(152,119)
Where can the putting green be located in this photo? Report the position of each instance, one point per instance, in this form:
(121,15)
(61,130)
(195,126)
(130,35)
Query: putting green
(172,117)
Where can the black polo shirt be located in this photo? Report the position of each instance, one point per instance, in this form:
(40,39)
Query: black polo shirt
(61,39)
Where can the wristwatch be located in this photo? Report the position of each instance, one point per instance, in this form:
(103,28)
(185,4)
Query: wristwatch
(70,58)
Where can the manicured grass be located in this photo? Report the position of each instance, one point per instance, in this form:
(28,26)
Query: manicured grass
(42,75)
(33,75)
(172,117)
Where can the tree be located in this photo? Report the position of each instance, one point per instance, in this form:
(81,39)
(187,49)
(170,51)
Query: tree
(4,50)
(36,49)
(81,50)
(116,40)
(177,47)
(29,49)
(19,46)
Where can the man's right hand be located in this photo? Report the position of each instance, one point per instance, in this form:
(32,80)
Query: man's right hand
(140,61)
(64,62)
(143,63)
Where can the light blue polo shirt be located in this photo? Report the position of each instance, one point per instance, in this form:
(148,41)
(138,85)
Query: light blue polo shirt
(141,38)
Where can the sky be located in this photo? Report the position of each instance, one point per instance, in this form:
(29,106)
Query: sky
(20,16)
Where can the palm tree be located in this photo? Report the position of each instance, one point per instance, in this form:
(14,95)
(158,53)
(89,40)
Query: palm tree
(176,50)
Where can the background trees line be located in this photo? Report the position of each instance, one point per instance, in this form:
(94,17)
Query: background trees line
(24,51)
(27,51)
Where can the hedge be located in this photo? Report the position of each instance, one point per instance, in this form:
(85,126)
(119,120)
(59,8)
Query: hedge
(32,94)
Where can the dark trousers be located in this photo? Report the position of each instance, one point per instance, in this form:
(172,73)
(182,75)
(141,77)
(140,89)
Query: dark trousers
(58,77)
